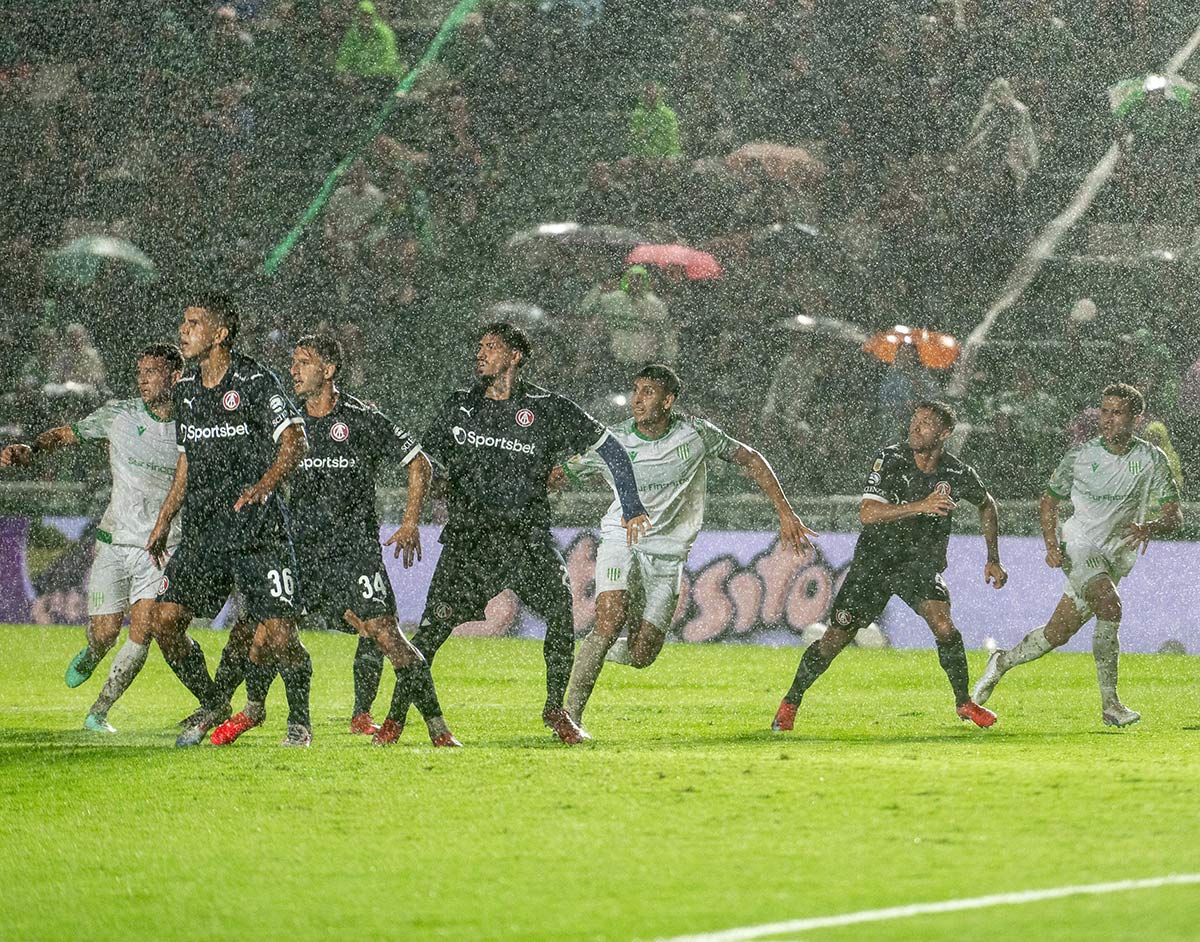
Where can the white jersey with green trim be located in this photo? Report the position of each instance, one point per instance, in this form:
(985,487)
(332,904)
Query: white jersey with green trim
(142,454)
(1109,491)
(672,479)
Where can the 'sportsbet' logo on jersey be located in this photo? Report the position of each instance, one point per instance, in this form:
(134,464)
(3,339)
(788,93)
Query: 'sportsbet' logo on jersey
(525,418)
(192,433)
(339,432)
(231,400)
(475,440)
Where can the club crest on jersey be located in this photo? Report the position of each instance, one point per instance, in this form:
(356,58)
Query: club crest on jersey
(231,400)
(943,488)
(164,585)
(525,418)
(843,617)
(1135,467)
(339,432)
(442,611)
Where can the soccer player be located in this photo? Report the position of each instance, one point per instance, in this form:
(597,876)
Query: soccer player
(336,532)
(238,437)
(498,442)
(1114,481)
(140,433)
(670,455)
(907,504)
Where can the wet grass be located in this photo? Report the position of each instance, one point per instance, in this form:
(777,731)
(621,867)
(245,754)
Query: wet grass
(685,814)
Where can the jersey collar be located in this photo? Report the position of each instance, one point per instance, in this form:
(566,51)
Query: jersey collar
(146,409)
(646,438)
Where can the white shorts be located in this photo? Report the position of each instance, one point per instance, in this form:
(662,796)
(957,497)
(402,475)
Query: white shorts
(1083,562)
(659,578)
(121,575)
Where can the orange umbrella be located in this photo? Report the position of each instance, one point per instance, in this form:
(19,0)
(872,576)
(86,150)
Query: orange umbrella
(936,350)
(697,265)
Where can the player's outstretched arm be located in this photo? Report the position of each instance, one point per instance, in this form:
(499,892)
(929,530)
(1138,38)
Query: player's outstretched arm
(989,521)
(876,511)
(792,531)
(20,455)
(156,545)
(408,537)
(1138,535)
(634,518)
(1048,516)
(292,448)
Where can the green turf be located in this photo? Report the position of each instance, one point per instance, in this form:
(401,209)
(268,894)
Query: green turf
(685,814)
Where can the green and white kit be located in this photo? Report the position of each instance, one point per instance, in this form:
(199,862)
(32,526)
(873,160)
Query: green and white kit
(142,454)
(1108,491)
(672,480)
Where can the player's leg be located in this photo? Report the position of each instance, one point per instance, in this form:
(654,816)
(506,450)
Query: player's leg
(367,672)
(614,563)
(661,578)
(126,665)
(231,670)
(1103,598)
(861,599)
(108,600)
(952,655)
(542,582)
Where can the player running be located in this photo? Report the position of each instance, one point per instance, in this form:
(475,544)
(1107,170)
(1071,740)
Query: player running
(910,496)
(1113,482)
(670,454)
(498,442)
(238,437)
(336,533)
(140,433)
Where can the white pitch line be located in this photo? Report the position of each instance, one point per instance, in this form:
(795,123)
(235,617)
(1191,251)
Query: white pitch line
(925,909)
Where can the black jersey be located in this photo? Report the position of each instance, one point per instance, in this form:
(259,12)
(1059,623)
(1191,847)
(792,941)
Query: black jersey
(333,490)
(498,454)
(918,541)
(230,434)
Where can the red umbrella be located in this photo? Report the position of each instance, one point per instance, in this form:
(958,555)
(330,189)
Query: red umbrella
(697,265)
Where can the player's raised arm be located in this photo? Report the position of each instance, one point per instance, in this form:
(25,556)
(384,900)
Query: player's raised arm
(292,447)
(792,531)
(156,545)
(989,521)
(408,537)
(20,455)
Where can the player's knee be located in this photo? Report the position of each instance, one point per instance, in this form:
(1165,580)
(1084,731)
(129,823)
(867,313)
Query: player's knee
(1108,610)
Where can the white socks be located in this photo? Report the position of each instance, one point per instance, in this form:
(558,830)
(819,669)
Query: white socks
(1106,649)
(1029,648)
(589,661)
(619,652)
(125,666)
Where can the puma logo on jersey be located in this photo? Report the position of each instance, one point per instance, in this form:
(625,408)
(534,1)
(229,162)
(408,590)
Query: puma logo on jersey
(188,402)
(466,411)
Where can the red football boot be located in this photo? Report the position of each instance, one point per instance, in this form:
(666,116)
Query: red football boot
(233,727)
(363,725)
(785,718)
(388,734)
(980,716)
(446,740)
(565,728)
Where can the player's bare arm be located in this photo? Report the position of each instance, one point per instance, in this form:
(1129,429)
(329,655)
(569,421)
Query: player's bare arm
(21,455)
(874,511)
(292,448)
(994,573)
(792,531)
(1138,535)
(1048,516)
(408,537)
(156,545)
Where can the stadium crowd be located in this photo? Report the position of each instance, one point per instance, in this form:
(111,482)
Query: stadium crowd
(859,165)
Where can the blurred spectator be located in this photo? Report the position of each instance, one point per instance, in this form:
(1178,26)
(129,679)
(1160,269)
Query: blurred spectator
(905,383)
(77,362)
(368,49)
(787,408)
(636,320)
(1001,147)
(653,127)
(354,217)
(230,54)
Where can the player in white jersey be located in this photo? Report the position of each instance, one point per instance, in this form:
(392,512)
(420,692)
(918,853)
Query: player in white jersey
(1115,481)
(142,455)
(670,455)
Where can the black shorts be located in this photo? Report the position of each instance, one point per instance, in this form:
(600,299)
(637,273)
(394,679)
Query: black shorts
(470,573)
(203,574)
(354,581)
(867,589)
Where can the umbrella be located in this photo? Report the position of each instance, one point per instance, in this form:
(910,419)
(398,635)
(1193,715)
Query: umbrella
(829,327)
(1131,94)
(522,313)
(81,261)
(777,162)
(697,265)
(936,350)
(573,235)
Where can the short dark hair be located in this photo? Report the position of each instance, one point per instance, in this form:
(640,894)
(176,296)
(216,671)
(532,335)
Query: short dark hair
(513,337)
(326,345)
(661,373)
(220,308)
(1131,394)
(166,351)
(942,410)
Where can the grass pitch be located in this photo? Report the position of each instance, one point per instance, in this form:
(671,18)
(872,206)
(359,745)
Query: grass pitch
(686,815)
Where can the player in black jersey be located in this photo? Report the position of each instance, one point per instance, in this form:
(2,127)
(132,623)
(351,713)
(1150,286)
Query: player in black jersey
(498,441)
(239,436)
(911,492)
(336,532)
